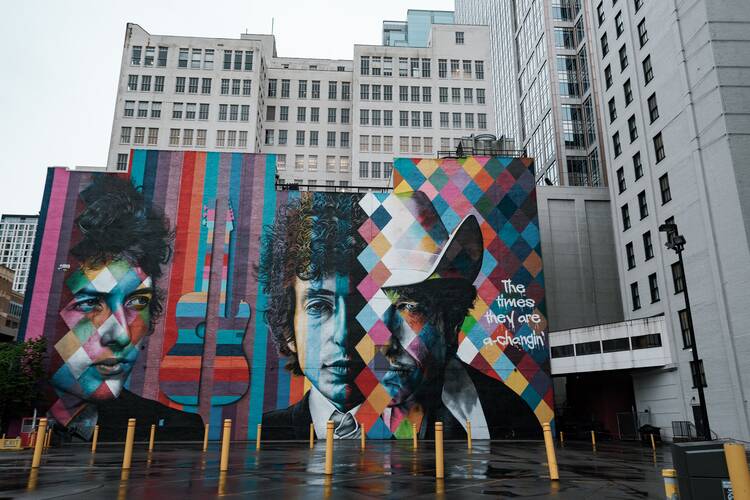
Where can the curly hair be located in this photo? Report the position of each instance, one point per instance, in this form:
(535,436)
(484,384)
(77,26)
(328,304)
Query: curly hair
(116,223)
(312,237)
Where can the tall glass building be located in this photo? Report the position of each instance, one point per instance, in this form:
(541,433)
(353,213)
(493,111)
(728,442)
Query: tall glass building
(543,85)
(415,31)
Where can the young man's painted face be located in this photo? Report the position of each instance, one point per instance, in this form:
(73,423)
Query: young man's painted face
(416,351)
(322,322)
(108,319)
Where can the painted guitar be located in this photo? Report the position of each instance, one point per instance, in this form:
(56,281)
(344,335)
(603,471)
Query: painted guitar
(185,359)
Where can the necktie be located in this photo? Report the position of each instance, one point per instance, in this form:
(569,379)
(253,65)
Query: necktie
(343,424)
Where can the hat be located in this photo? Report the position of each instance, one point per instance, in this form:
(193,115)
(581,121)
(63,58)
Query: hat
(421,248)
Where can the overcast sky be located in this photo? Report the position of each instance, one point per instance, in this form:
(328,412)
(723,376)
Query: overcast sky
(59,78)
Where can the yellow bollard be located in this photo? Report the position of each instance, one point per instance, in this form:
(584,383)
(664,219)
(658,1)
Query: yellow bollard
(739,474)
(224,465)
(151,438)
(439,465)
(129,438)
(562,439)
(222,483)
(95,439)
(593,440)
(653,443)
(362,436)
(329,448)
(670,484)
(312,436)
(205,438)
(549,444)
(48,438)
(468,433)
(257,438)
(414,436)
(39,444)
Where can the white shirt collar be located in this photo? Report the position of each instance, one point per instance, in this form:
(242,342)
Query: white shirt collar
(321,410)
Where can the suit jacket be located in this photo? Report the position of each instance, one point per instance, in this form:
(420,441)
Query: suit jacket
(507,415)
(171,424)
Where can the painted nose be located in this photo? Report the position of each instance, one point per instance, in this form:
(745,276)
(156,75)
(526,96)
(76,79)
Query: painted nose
(341,322)
(114,331)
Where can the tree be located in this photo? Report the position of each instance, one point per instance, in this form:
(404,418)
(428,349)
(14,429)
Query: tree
(21,370)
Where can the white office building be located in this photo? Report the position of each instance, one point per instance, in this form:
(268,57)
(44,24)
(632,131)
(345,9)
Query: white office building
(330,122)
(17,234)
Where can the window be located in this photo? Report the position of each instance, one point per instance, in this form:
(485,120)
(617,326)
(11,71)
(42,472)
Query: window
(562,351)
(642,205)
(142,109)
(653,108)
(416,144)
(375,92)
(375,170)
(468,95)
(443,92)
(564,38)
(403,118)
(364,65)
(302,89)
(621,179)
(619,26)
(480,96)
(572,125)
(271,87)
(238,59)
(146,83)
(605,44)
(632,128)
(364,169)
(685,328)
(246,87)
(224,86)
(364,116)
(283,113)
(193,85)
(426,68)
(206,86)
(600,12)
(584,348)
(162,58)
(479,70)
(315,89)
(642,33)
(344,140)
(182,61)
(177,110)
(387,92)
(159,84)
(332,90)
(616,144)
(616,345)
(678,277)
(270,113)
(312,164)
(567,74)
(456,120)
(648,246)
(466,69)
(129,108)
(635,296)
(248,60)
(387,118)
(442,68)
(283,135)
(698,374)
(646,341)
(269,137)
(608,76)
(364,92)
(301,114)
(625,212)
(415,121)
(313,138)
(315,115)
(623,58)
(456,96)
(415,94)
(612,110)
(285,85)
(122,161)
(190,111)
(637,166)
(299,164)
(482,121)
(331,115)
(637,4)
(364,143)
(187,137)
(195,58)
(427,145)
(459,37)
(427,119)
(174,137)
(300,138)
(208,63)
(345,91)
(403,66)
(223,111)
(630,253)
(345,115)
(331,139)
(203,112)
(403,93)
(659,147)
(648,71)
(125,135)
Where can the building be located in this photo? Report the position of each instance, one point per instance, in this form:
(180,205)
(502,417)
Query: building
(16,245)
(189,93)
(415,31)
(11,305)
(674,86)
(545,93)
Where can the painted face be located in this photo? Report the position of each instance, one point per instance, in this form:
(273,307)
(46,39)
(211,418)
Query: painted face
(108,319)
(416,350)
(321,331)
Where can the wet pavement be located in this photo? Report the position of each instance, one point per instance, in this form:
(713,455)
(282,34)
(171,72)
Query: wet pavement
(290,470)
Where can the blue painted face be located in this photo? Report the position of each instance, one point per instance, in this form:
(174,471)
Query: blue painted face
(321,331)
(417,350)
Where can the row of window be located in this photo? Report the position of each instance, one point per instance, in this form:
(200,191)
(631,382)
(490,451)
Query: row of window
(302,89)
(191,58)
(371,169)
(192,85)
(332,162)
(415,67)
(647,341)
(372,143)
(333,114)
(180,137)
(653,286)
(306,138)
(420,94)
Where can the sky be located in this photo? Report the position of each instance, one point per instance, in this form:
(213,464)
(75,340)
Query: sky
(59,80)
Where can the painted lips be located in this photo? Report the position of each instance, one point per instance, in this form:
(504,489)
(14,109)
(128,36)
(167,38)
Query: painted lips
(341,367)
(110,367)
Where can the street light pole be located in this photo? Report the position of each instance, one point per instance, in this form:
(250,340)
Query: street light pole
(676,242)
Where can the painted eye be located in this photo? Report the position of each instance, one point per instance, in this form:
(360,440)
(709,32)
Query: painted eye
(88,305)
(318,307)
(138,302)
(408,306)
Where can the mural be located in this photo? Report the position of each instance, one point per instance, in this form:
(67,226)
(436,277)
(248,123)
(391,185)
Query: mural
(189,290)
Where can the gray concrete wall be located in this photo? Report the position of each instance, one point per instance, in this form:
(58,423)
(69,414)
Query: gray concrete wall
(580,266)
